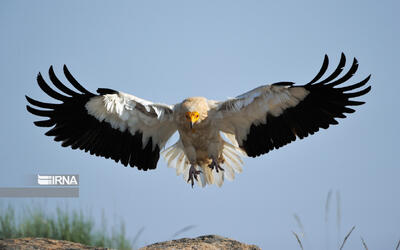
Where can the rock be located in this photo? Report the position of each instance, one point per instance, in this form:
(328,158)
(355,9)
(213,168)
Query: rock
(206,242)
(41,243)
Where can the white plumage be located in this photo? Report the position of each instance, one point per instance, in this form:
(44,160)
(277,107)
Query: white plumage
(213,135)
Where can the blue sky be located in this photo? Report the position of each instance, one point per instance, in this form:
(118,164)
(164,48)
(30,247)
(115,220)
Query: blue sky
(165,51)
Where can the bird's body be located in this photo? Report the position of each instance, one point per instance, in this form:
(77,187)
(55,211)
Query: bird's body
(213,135)
(202,140)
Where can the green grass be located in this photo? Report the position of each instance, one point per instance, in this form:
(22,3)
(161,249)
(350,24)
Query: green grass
(75,226)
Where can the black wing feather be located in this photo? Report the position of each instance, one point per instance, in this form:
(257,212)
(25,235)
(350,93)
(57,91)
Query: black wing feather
(74,82)
(337,71)
(322,71)
(49,91)
(319,109)
(74,127)
(59,84)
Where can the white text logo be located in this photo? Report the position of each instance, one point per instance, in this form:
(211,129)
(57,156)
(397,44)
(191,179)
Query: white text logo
(58,180)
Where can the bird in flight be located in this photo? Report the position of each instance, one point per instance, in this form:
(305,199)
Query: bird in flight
(213,135)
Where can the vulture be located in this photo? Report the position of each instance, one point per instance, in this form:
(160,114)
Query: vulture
(213,135)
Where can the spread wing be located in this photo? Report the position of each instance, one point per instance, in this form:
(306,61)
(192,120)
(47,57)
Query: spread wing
(272,116)
(110,124)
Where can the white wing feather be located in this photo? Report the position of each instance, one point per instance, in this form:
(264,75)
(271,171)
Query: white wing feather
(124,111)
(235,116)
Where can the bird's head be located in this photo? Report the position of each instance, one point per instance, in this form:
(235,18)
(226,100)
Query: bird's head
(194,110)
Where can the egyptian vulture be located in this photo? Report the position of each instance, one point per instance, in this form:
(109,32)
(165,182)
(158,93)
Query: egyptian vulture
(213,135)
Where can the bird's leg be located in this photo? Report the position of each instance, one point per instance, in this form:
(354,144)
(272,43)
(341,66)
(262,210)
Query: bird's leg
(214,164)
(193,173)
(213,148)
(190,152)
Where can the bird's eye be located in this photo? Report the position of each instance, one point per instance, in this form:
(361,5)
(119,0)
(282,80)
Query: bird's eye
(197,116)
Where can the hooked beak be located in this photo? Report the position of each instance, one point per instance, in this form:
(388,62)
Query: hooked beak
(192,118)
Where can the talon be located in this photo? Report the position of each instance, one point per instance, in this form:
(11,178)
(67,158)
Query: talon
(193,173)
(215,165)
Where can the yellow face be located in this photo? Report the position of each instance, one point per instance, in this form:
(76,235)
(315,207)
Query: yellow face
(192,117)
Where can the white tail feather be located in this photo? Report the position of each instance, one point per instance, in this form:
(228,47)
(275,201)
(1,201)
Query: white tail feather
(229,173)
(176,158)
